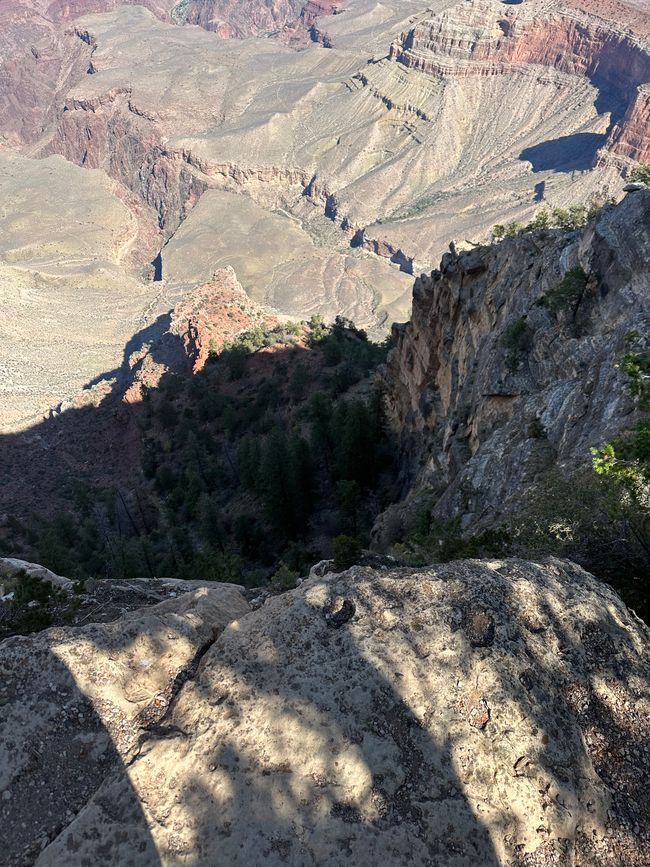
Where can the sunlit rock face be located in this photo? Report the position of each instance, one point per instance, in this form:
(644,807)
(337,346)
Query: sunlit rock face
(489,713)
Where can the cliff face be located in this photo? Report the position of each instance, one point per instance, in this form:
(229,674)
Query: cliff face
(629,138)
(483,39)
(481,360)
(234,19)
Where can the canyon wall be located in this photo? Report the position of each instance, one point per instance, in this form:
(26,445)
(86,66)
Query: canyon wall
(489,389)
(233,19)
(629,138)
(479,40)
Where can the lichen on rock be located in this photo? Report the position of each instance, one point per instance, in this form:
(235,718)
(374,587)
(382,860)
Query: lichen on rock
(491,713)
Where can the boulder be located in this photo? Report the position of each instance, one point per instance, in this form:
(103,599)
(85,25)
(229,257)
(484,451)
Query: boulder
(475,713)
(11,570)
(77,703)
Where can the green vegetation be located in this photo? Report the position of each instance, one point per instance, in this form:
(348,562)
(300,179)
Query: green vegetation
(347,551)
(568,219)
(250,468)
(516,339)
(641,173)
(636,364)
(602,519)
(427,540)
(32,606)
(567,294)
(284,578)
(536,429)
(508,231)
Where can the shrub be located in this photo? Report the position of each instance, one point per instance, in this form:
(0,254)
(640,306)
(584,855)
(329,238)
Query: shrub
(569,219)
(516,339)
(284,578)
(641,173)
(513,229)
(536,429)
(347,551)
(636,364)
(567,294)
(593,520)
(542,220)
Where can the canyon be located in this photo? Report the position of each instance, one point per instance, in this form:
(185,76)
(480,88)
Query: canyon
(324,432)
(325,151)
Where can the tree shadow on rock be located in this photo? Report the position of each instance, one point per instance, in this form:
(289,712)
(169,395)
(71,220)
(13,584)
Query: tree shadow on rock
(442,723)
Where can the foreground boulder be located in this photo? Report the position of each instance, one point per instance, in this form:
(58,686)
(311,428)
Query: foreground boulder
(77,703)
(477,713)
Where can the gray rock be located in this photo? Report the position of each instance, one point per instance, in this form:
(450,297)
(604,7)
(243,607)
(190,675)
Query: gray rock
(76,703)
(462,402)
(322,568)
(477,713)
(11,569)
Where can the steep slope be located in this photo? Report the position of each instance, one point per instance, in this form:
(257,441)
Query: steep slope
(71,249)
(507,368)
(362,160)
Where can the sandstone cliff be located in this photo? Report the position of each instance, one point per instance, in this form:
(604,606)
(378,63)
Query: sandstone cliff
(482,360)
(477,713)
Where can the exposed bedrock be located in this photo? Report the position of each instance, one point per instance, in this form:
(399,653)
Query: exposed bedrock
(476,713)
(113,133)
(630,139)
(236,19)
(484,38)
(463,396)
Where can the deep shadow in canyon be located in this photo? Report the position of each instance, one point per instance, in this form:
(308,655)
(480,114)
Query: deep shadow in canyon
(572,153)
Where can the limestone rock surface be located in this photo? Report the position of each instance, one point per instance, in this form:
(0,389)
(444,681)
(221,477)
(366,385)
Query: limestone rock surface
(11,569)
(477,713)
(77,702)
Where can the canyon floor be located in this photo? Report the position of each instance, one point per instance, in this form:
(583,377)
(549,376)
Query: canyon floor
(325,157)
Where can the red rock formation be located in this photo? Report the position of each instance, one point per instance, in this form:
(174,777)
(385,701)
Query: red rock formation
(631,137)
(203,321)
(314,9)
(237,19)
(471,41)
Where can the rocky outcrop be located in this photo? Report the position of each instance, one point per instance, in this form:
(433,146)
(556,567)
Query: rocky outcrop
(476,713)
(77,703)
(12,572)
(232,19)
(482,360)
(205,319)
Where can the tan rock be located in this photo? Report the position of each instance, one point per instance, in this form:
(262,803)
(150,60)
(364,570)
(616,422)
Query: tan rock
(77,702)
(309,745)
(11,569)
